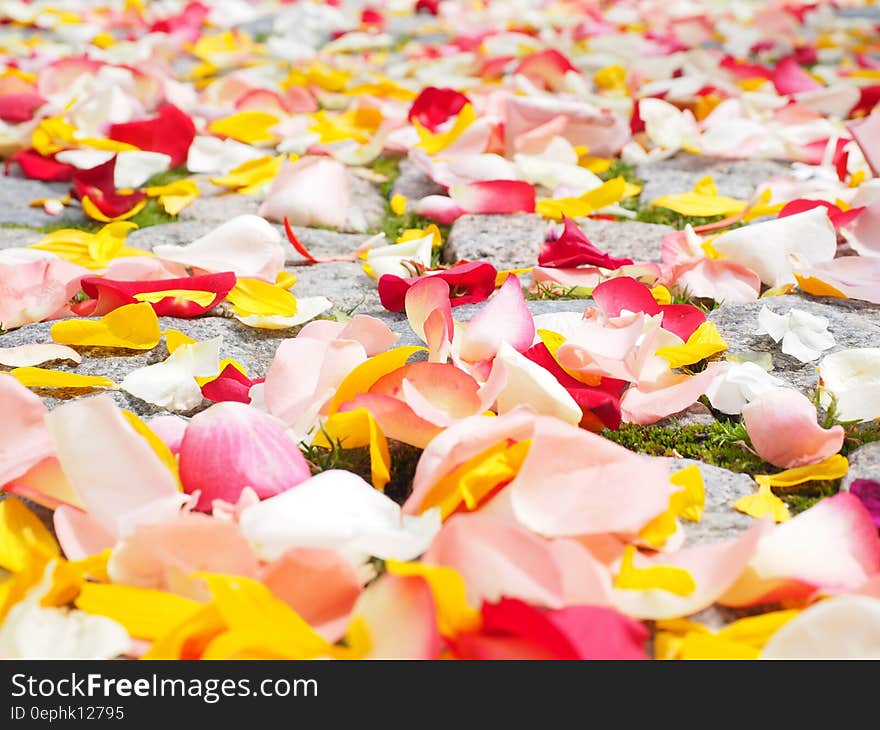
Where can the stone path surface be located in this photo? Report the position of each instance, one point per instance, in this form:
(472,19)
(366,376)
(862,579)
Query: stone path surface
(492,121)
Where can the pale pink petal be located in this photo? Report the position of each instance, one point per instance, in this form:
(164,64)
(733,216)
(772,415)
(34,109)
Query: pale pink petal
(439,208)
(714,567)
(24,439)
(37,354)
(233,445)
(461,442)
(437,392)
(782,426)
(320,585)
(504,318)
(643,406)
(429,312)
(396,419)
(143,268)
(78,534)
(372,333)
(585,581)
(96,445)
(858,277)
(246,245)
(35,287)
(603,133)
(45,484)
(497,560)
(866,133)
(832,547)
(574,482)
(170,429)
(723,281)
(313,191)
(305,373)
(400,617)
(863,234)
(152,556)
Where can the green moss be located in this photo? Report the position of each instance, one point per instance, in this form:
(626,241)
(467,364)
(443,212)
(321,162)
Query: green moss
(665,216)
(627,171)
(152,214)
(725,444)
(167,177)
(720,444)
(388,167)
(547,291)
(404,459)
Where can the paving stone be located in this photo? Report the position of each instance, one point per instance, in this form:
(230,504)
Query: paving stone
(16,193)
(736,178)
(514,241)
(853,324)
(631,239)
(253,348)
(14,237)
(720,520)
(413,183)
(320,241)
(343,283)
(507,241)
(864,463)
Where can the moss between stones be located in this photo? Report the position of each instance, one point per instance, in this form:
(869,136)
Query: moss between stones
(725,444)
(404,459)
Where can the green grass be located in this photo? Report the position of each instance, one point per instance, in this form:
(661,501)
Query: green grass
(404,459)
(619,168)
(725,444)
(665,216)
(153,214)
(389,167)
(167,177)
(547,291)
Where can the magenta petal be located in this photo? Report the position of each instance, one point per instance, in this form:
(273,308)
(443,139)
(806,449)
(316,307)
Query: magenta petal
(573,248)
(868,492)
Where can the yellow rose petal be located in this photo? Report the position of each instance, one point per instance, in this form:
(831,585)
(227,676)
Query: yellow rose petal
(763,503)
(353,429)
(703,201)
(145,613)
(818,288)
(471,481)
(834,467)
(433,143)
(133,326)
(94,212)
(398,204)
(257,297)
(202,298)
(175,196)
(22,536)
(606,194)
(250,127)
(704,342)
(252,176)
(657,577)
(44,378)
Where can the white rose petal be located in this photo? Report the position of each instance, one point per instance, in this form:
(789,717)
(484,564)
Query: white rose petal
(803,335)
